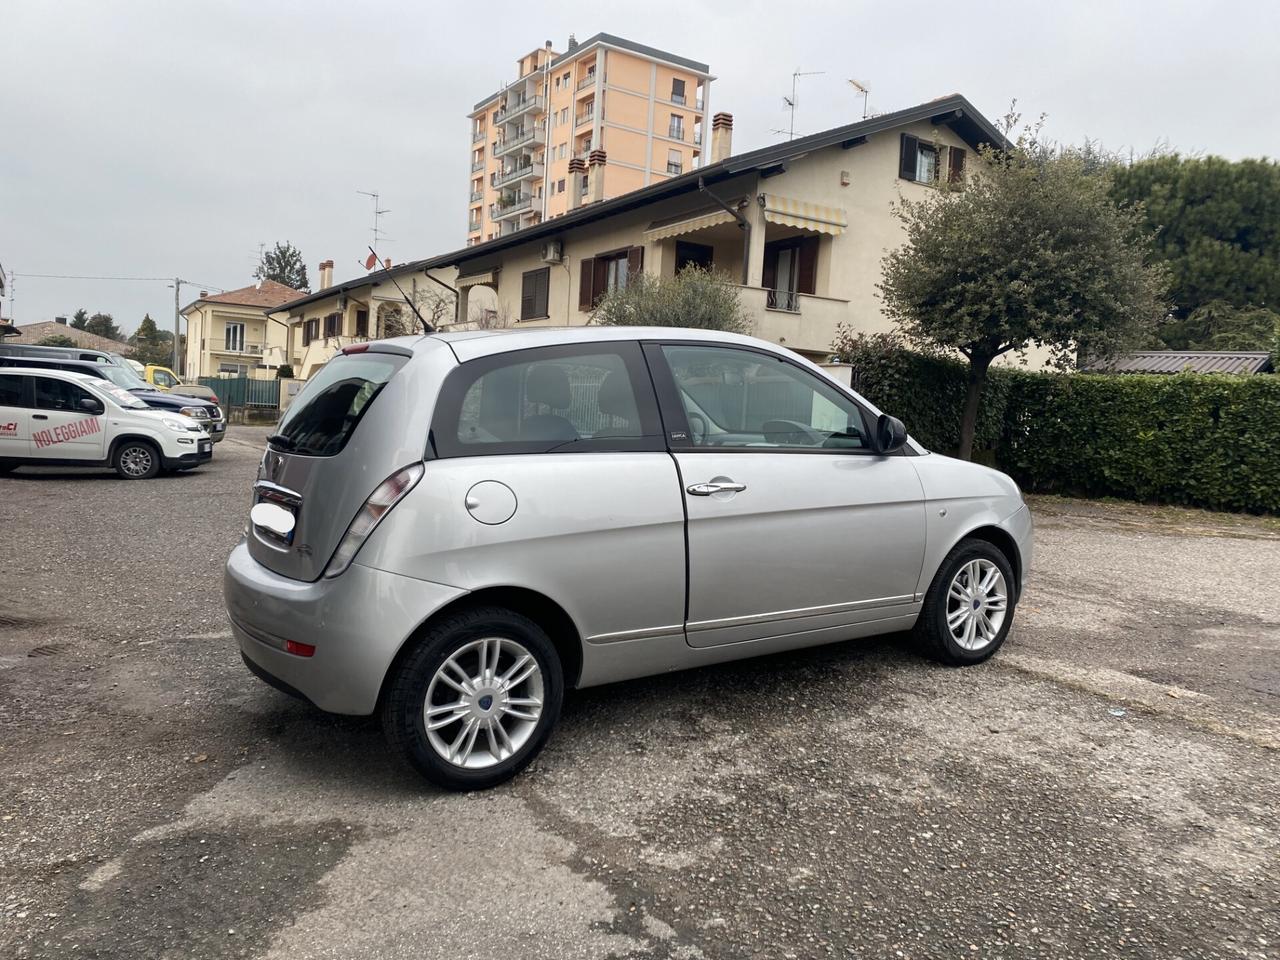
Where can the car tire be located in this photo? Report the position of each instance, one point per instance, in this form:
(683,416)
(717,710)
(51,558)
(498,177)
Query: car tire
(8,466)
(136,460)
(969,607)
(449,713)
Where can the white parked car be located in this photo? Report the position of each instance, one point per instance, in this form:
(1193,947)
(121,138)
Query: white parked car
(59,418)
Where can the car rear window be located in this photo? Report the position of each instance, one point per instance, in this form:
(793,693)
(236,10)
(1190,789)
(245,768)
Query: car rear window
(328,409)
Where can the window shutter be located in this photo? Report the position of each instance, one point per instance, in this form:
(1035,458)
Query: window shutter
(528,287)
(955,165)
(907,158)
(769,275)
(542,293)
(599,279)
(585,279)
(635,262)
(807,271)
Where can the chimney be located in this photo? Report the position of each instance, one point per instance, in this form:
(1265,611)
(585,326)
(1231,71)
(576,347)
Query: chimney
(204,294)
(595,176)
(326,274)
(573,43)
(721,136)
(577,167)
(386,263)
(61,320)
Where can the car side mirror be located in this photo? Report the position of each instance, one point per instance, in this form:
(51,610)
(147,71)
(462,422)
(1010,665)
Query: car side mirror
(889,435)
(90,405)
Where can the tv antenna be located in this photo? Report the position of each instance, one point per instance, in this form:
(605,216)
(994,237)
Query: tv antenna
(378,211)
(861,88)
(791,101)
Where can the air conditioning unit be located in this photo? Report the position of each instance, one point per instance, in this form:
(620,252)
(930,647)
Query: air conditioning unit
(553,251)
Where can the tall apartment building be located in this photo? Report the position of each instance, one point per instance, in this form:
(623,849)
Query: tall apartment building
(604,117)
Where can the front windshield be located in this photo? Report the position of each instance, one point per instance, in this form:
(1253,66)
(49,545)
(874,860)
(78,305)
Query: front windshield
(121,398)
(124,375)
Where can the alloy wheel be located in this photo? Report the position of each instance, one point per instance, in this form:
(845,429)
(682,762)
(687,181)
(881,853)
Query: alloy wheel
(977,602)
(136,461)
(483,703)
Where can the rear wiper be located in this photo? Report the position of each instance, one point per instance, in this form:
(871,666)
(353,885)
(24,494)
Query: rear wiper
(281,441)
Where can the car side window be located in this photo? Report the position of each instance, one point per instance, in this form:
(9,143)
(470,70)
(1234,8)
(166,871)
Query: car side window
(11,391)
(54,394)
(164,379)
(579,397)
(742,398)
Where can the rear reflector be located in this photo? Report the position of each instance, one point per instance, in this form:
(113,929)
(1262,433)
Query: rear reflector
(299,649)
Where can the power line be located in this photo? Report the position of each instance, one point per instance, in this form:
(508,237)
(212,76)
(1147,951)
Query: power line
(73,276)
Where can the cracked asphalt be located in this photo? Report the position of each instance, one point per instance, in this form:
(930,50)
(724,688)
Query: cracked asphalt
(1107,786)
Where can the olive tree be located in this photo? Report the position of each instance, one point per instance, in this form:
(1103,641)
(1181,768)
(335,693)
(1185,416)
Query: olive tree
(1029,251)
(694,298)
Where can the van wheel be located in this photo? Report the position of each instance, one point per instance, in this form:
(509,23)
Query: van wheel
(137,460)
(969,607)
(7,466)
(475,701)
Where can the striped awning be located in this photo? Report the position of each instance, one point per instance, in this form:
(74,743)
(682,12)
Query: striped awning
(678,227)
(487,278)
(805,216)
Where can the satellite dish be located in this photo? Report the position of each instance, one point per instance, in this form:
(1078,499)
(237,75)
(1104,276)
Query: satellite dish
(371,261)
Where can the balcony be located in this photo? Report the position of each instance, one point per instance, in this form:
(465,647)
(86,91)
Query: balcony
(530,137)
(519,173)
(252,349)
(587,116)
(477,136)
(588,81)
(516,205)
(785,300)
(477,196)
(518,107)
(678,99)
(676,131)
(477,166)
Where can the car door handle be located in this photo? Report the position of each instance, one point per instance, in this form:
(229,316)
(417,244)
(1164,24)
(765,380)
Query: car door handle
(716,486)
(39,416)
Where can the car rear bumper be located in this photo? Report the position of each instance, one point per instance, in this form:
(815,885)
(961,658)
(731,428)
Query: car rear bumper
(356,622)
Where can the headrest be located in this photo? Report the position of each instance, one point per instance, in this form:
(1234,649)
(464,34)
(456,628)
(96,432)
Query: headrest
(548,384)
(615,396)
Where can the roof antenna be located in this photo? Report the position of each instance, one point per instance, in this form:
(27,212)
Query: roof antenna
(791,101)
(371,263)
(865,93)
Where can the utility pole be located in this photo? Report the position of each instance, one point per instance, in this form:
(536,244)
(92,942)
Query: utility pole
(177,286)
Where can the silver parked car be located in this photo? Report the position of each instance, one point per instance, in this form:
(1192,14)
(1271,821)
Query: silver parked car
(452,529)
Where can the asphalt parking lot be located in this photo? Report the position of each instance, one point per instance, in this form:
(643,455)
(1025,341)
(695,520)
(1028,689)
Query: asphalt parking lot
(1107,786)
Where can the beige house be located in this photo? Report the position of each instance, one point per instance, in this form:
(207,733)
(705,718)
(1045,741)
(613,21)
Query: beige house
(532,141)
(231,334)
(800,228)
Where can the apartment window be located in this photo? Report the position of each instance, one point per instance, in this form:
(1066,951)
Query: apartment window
(677,91)
(605,272)
(234,369)
(557,83)
(566,79)
(922,162)
(560,186)
(362,323)
(564,149)
(582,187)
(534,289)
(310,331)
(564,115)
(331,324)
(234,337)
(675,162)
(675,129)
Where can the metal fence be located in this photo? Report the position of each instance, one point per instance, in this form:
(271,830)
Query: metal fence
(245,391)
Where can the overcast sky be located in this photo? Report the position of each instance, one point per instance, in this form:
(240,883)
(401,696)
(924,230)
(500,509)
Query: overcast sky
(162,139)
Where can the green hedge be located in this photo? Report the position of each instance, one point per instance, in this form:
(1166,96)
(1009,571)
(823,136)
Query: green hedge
(1207,440)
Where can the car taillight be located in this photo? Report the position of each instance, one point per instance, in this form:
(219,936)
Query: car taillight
(216,400)
(375,508)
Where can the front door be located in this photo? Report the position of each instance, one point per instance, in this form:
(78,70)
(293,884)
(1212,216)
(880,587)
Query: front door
(61,428)
(15,418)
(794,525)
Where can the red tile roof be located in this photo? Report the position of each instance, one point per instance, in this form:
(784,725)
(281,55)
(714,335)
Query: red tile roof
(31,333)
(265,293)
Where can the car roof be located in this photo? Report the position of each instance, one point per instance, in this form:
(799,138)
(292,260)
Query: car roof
(470,344)
(49,372)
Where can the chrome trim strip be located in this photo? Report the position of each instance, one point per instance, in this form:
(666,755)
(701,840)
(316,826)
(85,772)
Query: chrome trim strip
(648,633)
(799,613)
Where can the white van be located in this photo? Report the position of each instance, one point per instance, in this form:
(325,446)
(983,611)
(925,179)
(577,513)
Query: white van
(59,418)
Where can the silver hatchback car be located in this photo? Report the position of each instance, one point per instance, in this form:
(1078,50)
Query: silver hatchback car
(449,530)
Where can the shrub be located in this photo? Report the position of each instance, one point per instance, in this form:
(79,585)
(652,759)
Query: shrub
(284,372)
(1199,439)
